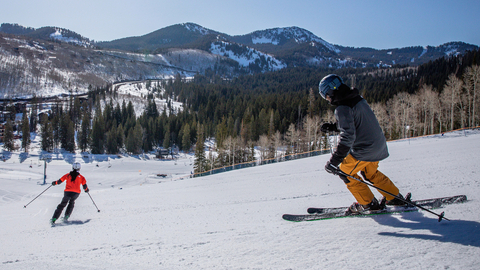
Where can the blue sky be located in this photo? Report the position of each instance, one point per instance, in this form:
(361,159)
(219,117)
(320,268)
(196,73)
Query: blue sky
(356,23)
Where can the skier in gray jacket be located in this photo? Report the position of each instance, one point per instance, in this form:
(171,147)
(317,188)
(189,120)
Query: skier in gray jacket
(361,146)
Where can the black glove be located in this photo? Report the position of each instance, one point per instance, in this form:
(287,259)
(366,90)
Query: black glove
(336,159)
(328,127)
(85,188)
(54,183)
(330,168)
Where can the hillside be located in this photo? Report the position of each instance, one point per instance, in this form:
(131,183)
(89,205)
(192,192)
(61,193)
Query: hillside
(233,220)
(48,68)
(293,46)
(52,60)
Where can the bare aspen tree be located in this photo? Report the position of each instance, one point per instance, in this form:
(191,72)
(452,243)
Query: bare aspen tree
(292,137)
(380,112)
(425,97)
(451,96)
(308,127)
(401,106)
(434,108)
(329,116)
(316,131)
(277,141)
(264,143)
(228,144)
(472,85)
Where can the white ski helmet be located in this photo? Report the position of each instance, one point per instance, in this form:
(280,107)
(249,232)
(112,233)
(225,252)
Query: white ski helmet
(76,166)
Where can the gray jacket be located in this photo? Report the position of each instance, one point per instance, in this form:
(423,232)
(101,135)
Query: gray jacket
(359,130)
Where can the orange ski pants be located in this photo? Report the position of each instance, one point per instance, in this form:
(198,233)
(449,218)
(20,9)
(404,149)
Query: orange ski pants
(370,173)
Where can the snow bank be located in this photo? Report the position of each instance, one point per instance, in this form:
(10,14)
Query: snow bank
(233,220)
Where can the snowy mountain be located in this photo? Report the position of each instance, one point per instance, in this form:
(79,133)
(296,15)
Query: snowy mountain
(282,36)
(47,68)
(233,220)
(52,60)
(47,33)
(248,58)
(175,36)
(293,46)
(235,57)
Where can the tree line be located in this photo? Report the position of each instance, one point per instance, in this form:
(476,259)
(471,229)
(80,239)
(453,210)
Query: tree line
(277,113)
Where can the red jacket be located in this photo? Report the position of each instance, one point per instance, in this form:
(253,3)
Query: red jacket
(73,186)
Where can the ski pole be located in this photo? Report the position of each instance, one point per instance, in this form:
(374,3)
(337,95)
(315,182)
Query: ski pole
(93,201)
(440,216)
(25,206)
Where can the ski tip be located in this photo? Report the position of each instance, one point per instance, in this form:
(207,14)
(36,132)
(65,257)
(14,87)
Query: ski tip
(293,218)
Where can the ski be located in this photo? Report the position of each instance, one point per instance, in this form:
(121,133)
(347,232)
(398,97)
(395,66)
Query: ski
(69,222)
(427,203)
(340,212)
(332,215)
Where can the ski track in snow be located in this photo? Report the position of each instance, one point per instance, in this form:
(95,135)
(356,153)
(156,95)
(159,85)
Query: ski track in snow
(233,220)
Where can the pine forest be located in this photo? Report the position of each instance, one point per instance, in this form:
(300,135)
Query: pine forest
(276,113)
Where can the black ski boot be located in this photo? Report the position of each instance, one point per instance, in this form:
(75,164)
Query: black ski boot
(396,201)
(357,208)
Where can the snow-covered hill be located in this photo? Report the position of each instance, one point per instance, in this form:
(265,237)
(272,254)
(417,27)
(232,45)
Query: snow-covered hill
(277,36)
(44,68)
(233,220)
(51,60)
(246,57)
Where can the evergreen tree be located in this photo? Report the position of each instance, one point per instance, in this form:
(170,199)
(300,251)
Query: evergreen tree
(130,142)
(130,110)
(47,134)
(112,141)
(117,114)
(97,143)
(25,132)
(56,129)
(166,140)
(124,114)
(33,115)
(83,136)
(186,142)
(67,138)
(76,112)
(120,137)
(200,163)
(133,142)
(8,138)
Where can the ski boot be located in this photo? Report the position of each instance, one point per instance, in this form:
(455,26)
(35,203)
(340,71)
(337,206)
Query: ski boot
(397,200)
(357,208)
(52,221)
(65,218)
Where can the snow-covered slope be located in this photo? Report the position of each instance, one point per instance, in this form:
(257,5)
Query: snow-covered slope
(278,36)
(233,220)
(246,57)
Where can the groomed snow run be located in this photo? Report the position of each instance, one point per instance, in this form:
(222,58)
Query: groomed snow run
(233,220)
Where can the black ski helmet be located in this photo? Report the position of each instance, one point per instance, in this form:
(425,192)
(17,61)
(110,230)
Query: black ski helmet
(329,84)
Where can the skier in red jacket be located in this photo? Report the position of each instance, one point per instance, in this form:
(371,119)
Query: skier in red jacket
(72,191)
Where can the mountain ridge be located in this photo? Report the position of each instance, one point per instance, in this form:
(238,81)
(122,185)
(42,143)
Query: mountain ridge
(36,60)
(286,44)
